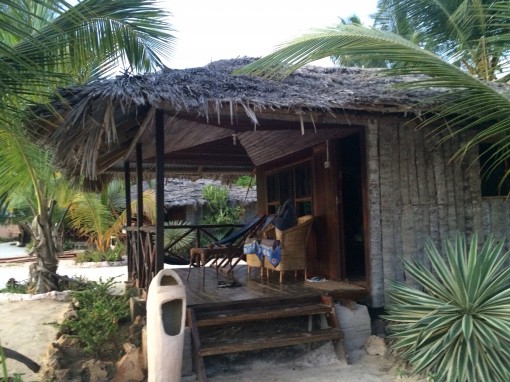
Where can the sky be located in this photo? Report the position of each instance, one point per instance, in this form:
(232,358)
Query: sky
(210,30)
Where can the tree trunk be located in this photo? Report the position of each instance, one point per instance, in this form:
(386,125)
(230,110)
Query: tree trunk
(42,273)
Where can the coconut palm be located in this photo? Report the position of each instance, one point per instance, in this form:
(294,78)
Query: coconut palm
(99,216)
(461,32)
(472,49)
(46,44)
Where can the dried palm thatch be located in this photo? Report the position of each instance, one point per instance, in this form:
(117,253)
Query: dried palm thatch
(100,123)
(184,192)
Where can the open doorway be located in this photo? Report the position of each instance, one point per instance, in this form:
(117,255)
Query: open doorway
(350,149)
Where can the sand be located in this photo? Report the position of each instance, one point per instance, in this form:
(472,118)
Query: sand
(24,328)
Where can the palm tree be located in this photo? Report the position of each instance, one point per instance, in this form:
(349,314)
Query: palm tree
(464,33)
(46,44)
(103,215)
(472,49)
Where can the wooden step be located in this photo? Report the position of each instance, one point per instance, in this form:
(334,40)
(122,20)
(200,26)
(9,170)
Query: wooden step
(259,313)
(265,302)
(202,319)
(272,341)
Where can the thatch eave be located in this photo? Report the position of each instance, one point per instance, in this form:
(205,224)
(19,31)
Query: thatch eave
(100,121)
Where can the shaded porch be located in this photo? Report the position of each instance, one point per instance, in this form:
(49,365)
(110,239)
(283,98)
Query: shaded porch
(203,284)
(252,287)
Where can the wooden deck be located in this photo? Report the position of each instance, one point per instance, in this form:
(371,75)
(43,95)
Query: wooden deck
(200,292)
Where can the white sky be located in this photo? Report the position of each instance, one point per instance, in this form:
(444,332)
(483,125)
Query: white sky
(210,30)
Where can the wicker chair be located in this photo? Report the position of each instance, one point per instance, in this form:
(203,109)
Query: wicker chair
(293,248)
(267,231)
(253,261)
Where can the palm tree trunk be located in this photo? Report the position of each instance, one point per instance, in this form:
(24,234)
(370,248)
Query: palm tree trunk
(42,272)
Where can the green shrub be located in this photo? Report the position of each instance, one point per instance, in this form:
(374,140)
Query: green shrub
(96,256)
(89,256)
(13,286)
(98,315)
(457,327)
(245,181)
(116,253)
(218,210)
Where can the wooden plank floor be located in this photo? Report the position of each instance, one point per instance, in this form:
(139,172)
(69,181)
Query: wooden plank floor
(252,287)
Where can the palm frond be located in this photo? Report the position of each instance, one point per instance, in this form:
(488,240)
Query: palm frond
(91,38)
(88,215)
(474,105)
(149,211)
(23,165)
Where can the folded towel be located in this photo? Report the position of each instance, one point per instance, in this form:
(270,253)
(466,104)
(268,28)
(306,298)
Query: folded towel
(250,246)
(271,250)
(265,248)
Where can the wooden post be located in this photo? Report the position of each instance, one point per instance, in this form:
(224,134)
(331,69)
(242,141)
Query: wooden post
(160,190)
(142,271)
(127,186)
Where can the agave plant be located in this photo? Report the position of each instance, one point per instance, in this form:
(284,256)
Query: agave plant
(456,327)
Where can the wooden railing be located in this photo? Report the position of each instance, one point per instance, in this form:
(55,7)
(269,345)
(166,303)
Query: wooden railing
(141,255)
(142,249)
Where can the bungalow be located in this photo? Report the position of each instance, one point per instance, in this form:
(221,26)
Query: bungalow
(342,142)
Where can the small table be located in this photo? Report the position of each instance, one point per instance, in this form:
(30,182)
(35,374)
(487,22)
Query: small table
(201,256)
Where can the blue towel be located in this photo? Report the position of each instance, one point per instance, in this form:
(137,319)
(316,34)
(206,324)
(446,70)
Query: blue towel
(250,246)
(271,250)
(266,248)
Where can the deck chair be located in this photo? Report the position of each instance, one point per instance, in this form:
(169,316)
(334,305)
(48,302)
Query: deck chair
(240,234)
(223,251)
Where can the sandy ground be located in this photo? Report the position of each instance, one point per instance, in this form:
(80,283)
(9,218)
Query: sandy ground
(24,319)
(319,365)
(24,328)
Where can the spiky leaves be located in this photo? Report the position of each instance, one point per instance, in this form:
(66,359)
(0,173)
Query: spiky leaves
(456,325)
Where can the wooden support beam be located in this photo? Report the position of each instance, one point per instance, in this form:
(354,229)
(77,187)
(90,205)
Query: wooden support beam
(127,187)
(142,271)
(160,190)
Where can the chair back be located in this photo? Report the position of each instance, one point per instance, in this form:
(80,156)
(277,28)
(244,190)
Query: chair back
(295,238)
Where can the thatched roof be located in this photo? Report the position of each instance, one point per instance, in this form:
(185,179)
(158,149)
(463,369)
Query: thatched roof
(185,192)
(208,111)
(193,89)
